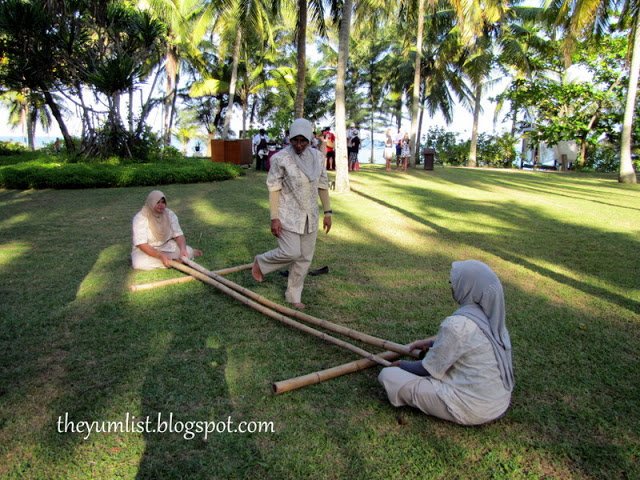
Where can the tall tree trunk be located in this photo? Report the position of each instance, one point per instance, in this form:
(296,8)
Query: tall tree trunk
(31,129)
(473,148)
(232,85)
(514,119)
(130,111)
(373,103)
(169,99)
(302,58)
(146,105)
(342,170)
(415,98)
(626,173)
(87,124)
(252,114)
(419,134)
(244,118)
(55,111)
(582,156)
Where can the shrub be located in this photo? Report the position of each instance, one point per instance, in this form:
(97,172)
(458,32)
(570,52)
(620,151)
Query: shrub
(40,175)
(11,148)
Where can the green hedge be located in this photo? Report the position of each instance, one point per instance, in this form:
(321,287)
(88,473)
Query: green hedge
(40,175)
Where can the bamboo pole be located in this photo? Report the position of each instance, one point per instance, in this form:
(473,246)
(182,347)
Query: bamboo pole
(348,332)
(277,316)
(172,281)
(237,268)
(161,283)
(333,372)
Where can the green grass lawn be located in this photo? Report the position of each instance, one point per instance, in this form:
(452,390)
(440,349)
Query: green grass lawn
(74,340)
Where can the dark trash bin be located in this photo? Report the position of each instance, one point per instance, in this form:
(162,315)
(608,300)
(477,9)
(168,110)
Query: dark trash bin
(429,155)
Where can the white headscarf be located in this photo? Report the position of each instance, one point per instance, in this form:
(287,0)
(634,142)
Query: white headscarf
(479,292)
(307,161)
(159,223)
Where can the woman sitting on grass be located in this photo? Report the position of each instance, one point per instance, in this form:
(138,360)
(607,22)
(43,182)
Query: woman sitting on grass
(157,236)
(466,377)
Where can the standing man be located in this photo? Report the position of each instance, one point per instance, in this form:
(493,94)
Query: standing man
(330,145)
(398,141)
(296,179)
(354,149)
(260,149)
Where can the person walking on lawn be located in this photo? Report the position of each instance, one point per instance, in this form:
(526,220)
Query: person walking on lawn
(296,179)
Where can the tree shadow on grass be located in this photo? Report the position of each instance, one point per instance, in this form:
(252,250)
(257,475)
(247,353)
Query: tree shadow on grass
(529,234)
(571,187)
(186,391)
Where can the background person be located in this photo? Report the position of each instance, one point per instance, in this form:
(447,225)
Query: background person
(398,142)
(353,150)
(467,375)
(157,236)
(295,181)
(329,145)
(389,150)
(405,152)
(260,148)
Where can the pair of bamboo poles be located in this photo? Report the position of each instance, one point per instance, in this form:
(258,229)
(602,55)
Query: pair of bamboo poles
(286,315)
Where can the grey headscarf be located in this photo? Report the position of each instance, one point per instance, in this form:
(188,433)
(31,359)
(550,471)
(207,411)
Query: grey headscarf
(479,292)
(308,162)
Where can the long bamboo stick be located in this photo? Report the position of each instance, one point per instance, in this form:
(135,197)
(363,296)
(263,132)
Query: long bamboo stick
(160,283)
(278,316)
(333,372)
(172,281)
(348,332)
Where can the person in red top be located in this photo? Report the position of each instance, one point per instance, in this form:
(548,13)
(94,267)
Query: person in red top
(330,145)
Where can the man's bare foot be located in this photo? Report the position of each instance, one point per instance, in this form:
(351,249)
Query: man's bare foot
(197,253)
(255,272)
(298,305)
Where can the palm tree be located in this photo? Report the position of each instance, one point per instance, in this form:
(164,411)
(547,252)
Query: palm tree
(415,98)
(237,19)
(188,21)
(33,48)
(187,129)
(588,18)
(26,110)
(301,10)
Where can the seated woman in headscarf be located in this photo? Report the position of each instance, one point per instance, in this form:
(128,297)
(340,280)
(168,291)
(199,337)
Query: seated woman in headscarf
(296,179)
(157,236)
(466,376)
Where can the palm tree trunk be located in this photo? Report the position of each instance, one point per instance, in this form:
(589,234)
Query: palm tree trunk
(398,112)
(302,58)
(342,171)
(415,99)
(232,84)
(146,105)
(245,114)
(419,133)
(373,102)
(31,129)
(172,73)
(626,173)
(473,149)
(514,119)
